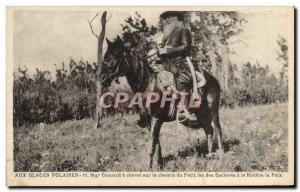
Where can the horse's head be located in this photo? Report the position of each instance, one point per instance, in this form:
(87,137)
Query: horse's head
(112,61)
(127,59)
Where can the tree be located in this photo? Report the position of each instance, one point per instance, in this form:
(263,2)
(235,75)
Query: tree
(100,38)
(233,80)
(211,34)
(283,58)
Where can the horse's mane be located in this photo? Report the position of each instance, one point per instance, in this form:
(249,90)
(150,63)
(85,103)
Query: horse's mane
(139,69)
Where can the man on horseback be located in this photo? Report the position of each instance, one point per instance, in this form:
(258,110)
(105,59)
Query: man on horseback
(175,47)
(169,62)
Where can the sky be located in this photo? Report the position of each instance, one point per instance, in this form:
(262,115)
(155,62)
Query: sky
(42,39)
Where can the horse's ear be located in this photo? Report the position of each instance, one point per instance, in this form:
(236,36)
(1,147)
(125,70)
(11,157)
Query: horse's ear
(108,41)
(120,42)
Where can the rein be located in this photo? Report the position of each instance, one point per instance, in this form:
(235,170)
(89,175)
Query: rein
(117,71)
(123,67)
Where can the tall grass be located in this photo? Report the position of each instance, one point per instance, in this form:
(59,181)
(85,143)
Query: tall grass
(255,139)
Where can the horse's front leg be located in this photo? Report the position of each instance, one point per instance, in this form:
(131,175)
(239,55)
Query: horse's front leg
(154,141)
(159,156)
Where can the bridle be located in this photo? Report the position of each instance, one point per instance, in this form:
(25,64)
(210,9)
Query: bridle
(114,75)
(123,66)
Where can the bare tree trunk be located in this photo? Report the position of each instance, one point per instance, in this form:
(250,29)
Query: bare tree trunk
(98,112)
(225,67)
(86,88)
(212,57)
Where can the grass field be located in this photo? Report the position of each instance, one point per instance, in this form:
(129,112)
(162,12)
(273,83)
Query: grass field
(255,139)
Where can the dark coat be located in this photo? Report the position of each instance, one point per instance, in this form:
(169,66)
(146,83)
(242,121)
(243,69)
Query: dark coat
(178,44)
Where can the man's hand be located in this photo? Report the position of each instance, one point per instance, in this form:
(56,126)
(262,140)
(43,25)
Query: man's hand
(162,51)
(154,67)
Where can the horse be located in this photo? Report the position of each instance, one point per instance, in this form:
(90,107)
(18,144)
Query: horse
(120,61)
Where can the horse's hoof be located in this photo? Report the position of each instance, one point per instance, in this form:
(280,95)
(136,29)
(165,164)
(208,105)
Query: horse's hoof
(210,155)
(220,151)
(141,123)
(220,154)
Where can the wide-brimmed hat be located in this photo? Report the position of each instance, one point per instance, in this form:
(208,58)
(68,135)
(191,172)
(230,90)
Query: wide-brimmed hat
(167,14)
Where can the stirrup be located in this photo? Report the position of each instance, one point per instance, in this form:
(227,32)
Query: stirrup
(187,116)
(201,81)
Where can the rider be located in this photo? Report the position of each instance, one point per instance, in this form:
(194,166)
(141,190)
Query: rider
(175,47)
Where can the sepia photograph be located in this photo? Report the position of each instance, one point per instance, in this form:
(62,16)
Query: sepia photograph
(150,96)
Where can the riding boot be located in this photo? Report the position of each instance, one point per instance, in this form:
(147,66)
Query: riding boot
(182,112)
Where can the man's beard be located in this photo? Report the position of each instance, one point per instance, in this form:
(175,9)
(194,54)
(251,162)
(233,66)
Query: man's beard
(168,29)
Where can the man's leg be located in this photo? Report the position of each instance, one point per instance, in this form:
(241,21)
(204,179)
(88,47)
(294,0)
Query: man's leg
(184,84)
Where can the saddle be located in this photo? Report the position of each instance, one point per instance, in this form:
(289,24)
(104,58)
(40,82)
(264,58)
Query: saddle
(164,82)
(165,78)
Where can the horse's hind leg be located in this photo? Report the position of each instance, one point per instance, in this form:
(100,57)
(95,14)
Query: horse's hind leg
(154,141)
(205,119)
(208,132)
(217,130)
(213,104)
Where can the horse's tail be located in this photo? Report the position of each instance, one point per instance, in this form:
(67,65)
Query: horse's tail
(212,89)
